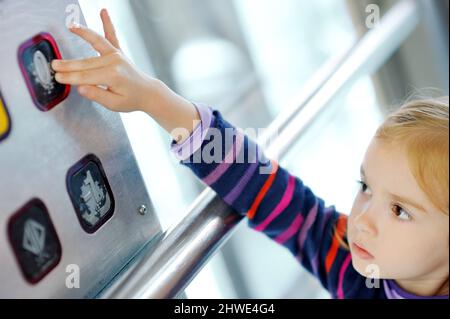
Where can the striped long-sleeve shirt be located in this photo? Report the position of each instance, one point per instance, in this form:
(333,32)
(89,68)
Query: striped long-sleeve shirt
(277,204)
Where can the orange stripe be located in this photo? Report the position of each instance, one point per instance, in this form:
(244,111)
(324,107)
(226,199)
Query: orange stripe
(251,213)
(338,233)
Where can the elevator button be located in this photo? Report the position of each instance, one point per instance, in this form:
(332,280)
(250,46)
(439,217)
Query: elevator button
(90,193)
(35,57)
(4,119)
(34,241)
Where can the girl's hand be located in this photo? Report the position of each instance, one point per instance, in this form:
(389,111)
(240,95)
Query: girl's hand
(114,82)
(124,87)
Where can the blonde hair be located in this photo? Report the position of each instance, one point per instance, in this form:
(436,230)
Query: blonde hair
(422,126)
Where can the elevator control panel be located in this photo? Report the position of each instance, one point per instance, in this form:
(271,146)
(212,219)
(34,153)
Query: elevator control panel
(70,186)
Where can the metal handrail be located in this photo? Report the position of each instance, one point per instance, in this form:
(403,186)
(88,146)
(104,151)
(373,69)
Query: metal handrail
(174,261)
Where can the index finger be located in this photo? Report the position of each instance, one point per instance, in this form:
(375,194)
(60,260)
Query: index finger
(99,43)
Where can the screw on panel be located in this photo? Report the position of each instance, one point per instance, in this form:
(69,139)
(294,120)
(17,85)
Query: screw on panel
(142,210)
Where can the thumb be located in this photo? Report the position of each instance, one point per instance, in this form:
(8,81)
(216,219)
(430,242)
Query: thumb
(104,97)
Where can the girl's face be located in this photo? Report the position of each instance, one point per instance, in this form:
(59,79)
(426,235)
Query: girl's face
(394,231)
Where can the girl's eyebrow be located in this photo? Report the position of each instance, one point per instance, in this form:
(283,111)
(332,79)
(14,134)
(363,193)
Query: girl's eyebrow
(398,197)
(409,202)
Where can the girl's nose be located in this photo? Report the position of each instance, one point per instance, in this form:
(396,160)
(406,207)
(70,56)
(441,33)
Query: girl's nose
(364,221)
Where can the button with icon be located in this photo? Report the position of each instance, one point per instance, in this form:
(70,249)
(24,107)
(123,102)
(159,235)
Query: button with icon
(5,124)
(34,241)
(90,193)
(35,57)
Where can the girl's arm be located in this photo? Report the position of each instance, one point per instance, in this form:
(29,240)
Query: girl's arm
(275,202)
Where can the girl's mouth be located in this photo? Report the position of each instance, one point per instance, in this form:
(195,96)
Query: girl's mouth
(361,252)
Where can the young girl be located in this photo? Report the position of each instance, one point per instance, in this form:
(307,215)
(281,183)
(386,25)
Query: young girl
(395,244)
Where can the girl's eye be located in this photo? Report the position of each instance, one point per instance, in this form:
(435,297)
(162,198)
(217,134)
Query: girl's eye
(363,186)
(400,213)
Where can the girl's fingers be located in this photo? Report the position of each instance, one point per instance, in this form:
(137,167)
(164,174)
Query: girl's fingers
(99,43)
(99,95)
(108,27)
(83,64)
(89,77)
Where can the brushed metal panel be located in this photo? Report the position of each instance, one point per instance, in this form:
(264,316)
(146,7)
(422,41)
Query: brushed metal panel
(40,149)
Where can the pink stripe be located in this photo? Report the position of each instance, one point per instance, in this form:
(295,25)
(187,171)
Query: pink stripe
(310,219)
(288,233)
(227,162)
(340,291)
(285,200)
